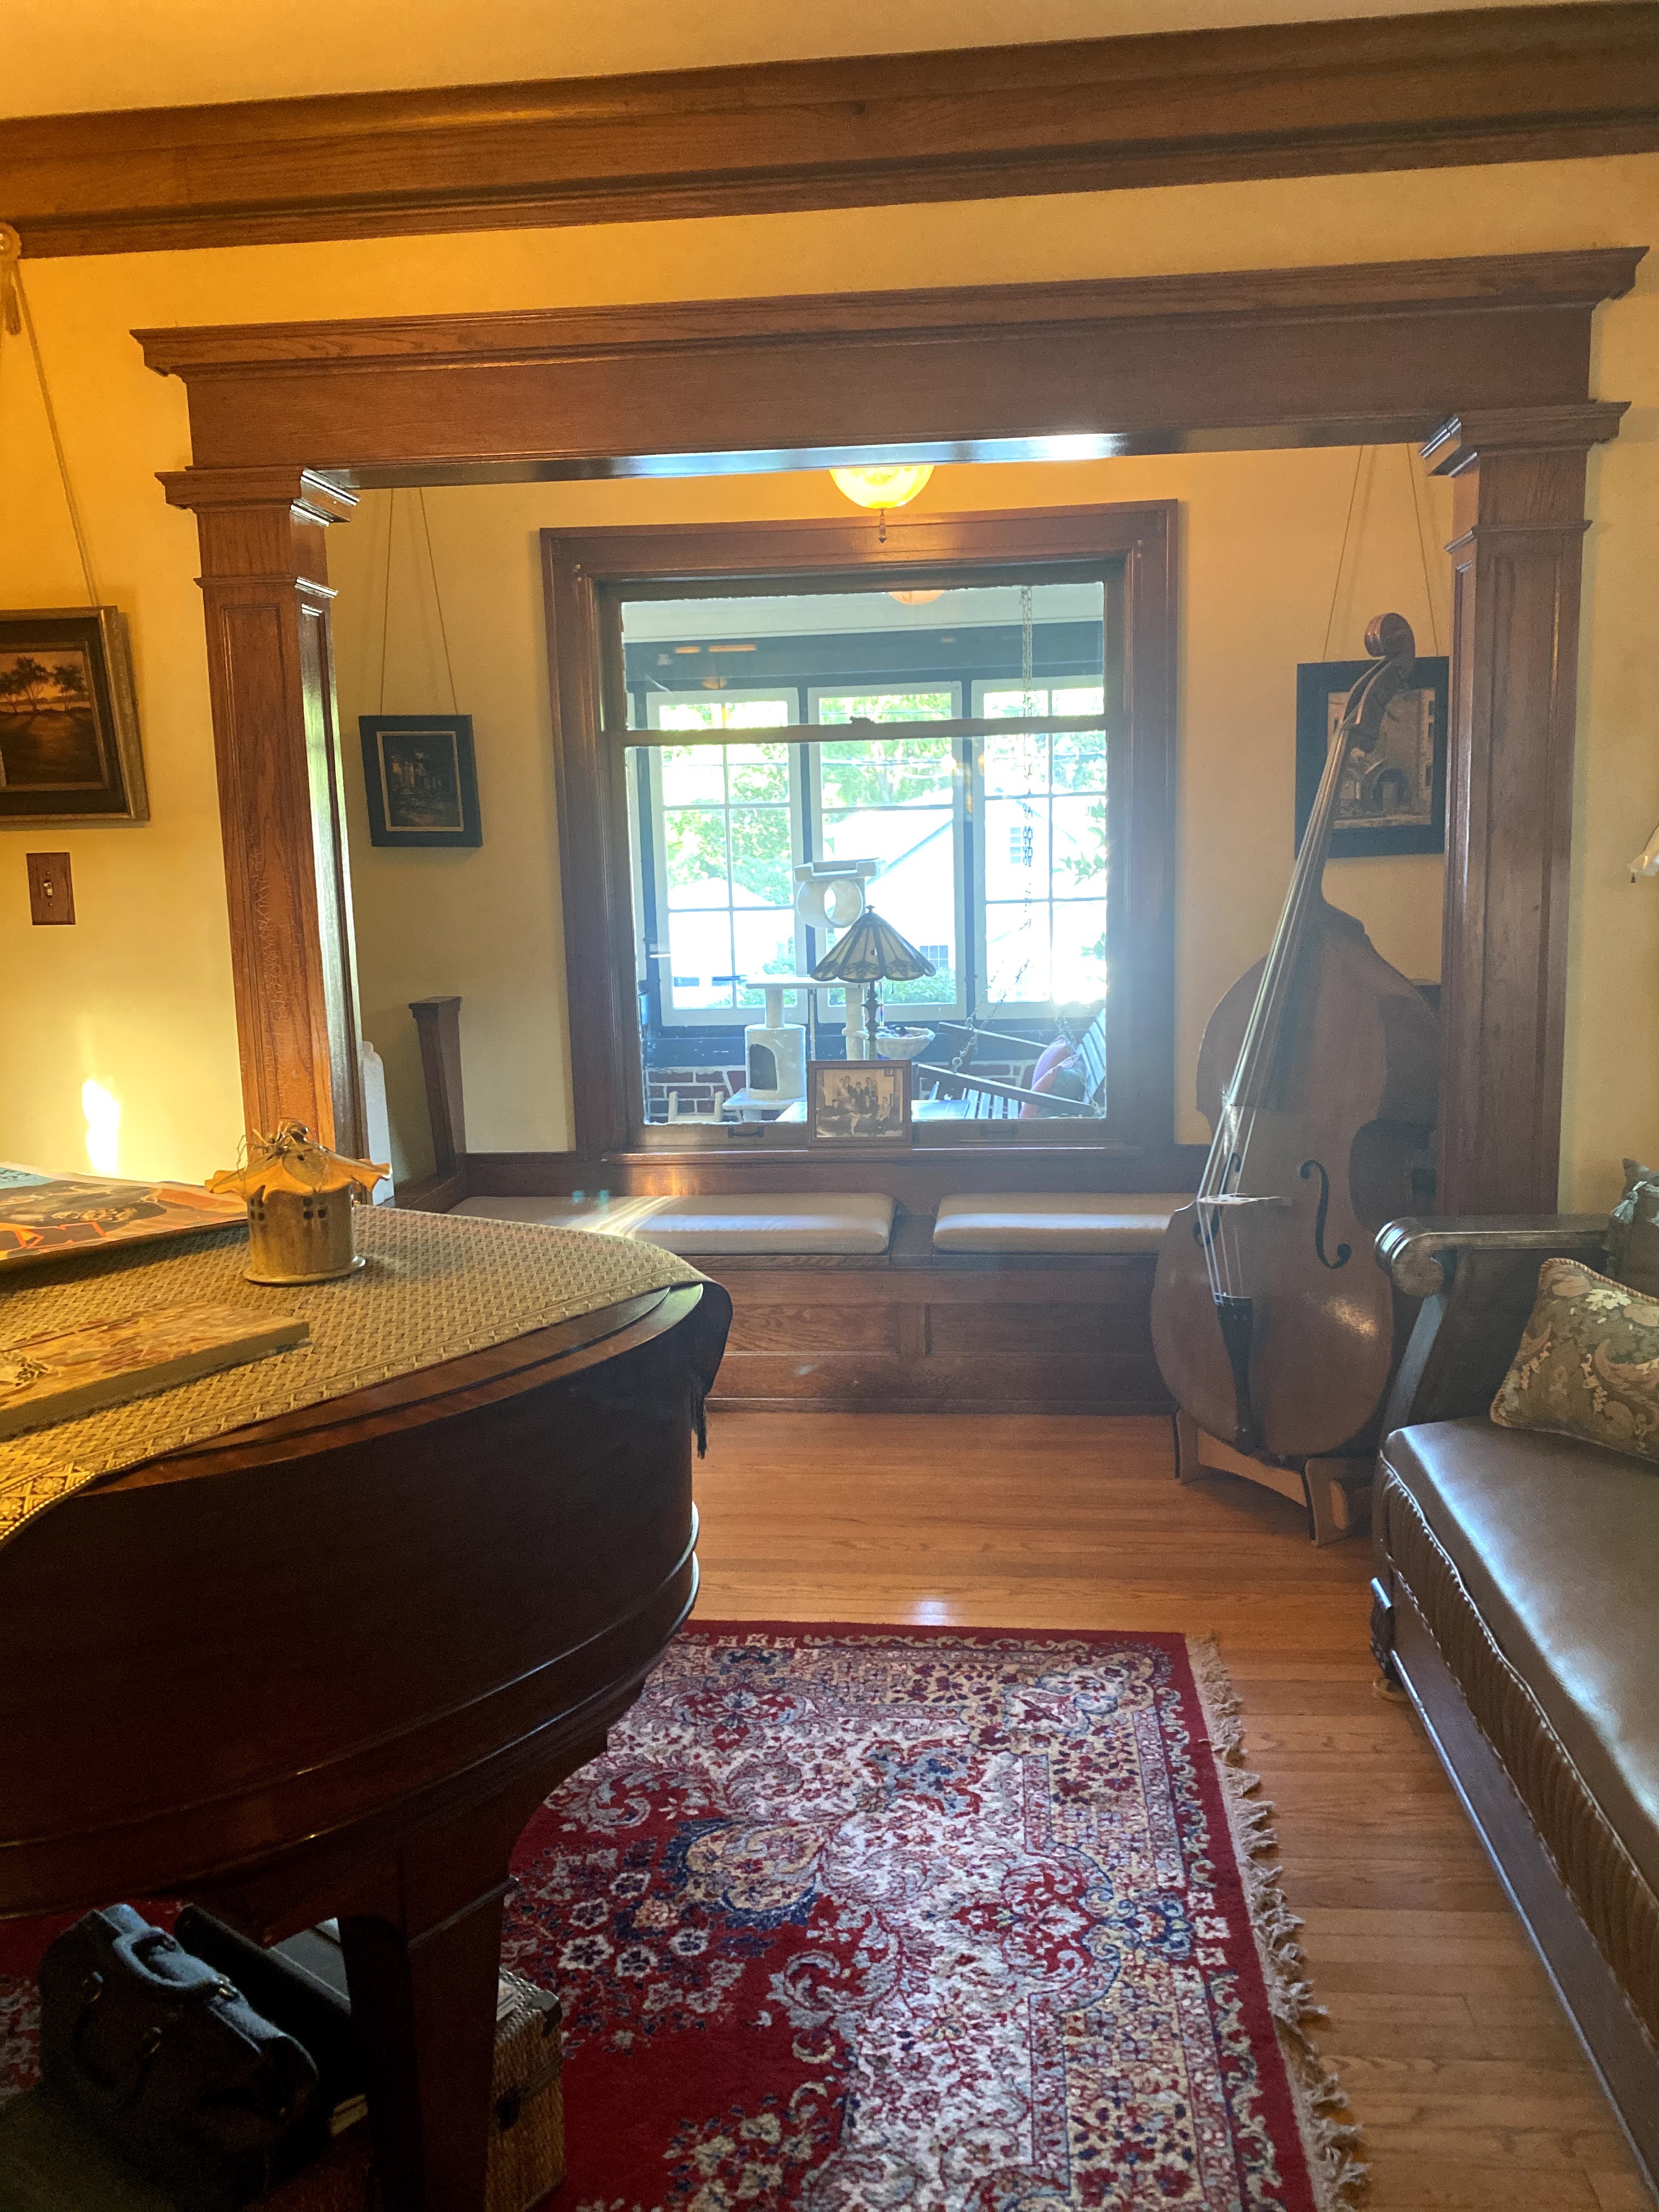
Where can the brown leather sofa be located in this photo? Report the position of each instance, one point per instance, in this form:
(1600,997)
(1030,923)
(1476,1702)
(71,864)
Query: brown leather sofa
(1517,1602)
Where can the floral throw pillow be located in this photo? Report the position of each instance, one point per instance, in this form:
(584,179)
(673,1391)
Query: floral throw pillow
(1588,1364)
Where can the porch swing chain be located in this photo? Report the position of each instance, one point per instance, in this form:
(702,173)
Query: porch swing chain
(16,321)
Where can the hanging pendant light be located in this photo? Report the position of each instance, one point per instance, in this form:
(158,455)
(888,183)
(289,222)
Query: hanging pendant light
(882,487)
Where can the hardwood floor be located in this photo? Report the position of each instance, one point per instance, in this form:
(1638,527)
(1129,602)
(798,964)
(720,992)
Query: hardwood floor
(1457,2060)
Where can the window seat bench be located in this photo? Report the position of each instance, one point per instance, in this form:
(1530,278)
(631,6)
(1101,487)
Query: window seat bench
(1055,1222)
(822,1224)
(1014,1302)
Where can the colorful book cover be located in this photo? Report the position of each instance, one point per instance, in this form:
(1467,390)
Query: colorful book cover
(45,1217)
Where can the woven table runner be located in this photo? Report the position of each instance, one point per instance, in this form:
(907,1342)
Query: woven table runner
(436,1286)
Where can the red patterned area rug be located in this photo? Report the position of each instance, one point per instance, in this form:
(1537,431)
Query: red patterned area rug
(944,1921)
(908,1920)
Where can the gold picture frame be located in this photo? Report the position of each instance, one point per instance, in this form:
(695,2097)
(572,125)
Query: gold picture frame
(69,718)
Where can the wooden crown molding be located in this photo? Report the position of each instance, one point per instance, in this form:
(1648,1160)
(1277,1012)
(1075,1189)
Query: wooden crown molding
(1458,445)
(1501,84)
(852,318)
(309,498)
(1373,353)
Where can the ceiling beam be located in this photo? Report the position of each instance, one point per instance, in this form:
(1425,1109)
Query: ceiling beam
(1277,99)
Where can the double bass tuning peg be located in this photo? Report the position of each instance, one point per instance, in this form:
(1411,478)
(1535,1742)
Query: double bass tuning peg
(1388,637)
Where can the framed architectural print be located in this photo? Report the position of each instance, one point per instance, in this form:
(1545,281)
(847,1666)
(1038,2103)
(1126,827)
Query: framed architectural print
(421,779)
(1395,801)
(858,1103)
(69,718)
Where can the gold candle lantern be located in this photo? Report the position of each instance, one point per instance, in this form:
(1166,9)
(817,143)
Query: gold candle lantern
(300,1198)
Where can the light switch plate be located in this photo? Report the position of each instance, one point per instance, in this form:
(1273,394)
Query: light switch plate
(52,888)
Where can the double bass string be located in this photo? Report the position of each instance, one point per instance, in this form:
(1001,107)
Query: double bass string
(1241,1101)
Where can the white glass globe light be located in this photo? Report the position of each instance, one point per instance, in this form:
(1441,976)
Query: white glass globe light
(882,487)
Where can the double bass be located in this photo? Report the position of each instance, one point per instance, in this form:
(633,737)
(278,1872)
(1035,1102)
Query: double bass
(1273,1324)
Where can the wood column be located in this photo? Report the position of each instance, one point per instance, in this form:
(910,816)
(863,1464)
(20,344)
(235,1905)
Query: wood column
(1518,492)
(282,811)
(439,1023)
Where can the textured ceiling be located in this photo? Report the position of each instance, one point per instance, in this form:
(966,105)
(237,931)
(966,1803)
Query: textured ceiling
(60,56)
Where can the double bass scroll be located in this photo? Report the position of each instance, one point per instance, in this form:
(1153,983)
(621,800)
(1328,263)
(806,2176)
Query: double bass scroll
(1319,1072)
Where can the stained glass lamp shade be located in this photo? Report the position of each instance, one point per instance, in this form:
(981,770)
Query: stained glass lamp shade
(872,952)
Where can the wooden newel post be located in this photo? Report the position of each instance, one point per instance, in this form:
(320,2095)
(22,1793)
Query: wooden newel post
(270,667)
(438,1022)
(1518,493)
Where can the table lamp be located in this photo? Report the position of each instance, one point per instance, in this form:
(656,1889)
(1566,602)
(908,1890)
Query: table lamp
(872,953)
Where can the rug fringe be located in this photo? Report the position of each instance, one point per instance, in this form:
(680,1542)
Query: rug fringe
(1332,2139)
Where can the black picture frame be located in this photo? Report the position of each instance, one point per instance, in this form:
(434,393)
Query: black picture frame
(1353,837)
(421,780)
(69,718)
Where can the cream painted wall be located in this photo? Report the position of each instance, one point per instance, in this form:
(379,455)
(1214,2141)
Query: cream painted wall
(1261,535)
(138,994)
(142,53)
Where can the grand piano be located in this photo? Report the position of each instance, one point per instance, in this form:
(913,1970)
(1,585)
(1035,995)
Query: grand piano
(329,1665)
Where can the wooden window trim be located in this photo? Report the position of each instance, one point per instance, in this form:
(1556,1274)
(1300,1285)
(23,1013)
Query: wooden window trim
(586,572)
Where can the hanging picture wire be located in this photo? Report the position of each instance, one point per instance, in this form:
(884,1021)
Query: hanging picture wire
(69,709)
(16,321)
(420,774)
(437,595)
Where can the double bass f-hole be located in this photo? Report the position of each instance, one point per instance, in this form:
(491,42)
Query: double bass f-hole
(1344,1252)
(1206,1235)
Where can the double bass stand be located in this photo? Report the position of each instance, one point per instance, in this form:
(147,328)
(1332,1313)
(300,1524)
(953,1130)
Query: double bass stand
(1335,1490)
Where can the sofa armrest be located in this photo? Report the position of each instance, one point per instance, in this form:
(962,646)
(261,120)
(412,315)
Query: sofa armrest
(1477,1279)
(1414,1253)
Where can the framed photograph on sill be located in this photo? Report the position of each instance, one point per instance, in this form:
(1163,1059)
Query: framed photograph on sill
(421,780)
(1394,799)
(860,1105)
(69,718)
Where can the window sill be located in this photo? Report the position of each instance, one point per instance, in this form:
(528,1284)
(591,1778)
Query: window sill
(772,1156)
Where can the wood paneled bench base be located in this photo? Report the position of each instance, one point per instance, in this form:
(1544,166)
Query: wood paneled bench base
(912,1329)
(917,1331)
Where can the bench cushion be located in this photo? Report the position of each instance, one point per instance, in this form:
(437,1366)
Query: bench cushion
(1024,1221)
(825,1222)
(1557,1543)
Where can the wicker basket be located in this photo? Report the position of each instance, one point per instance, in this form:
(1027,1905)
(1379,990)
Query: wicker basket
(527,2125)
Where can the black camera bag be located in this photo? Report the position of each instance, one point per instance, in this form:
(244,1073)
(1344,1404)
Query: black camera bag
(171,2063)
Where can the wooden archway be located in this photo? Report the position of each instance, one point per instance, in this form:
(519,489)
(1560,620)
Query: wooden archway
(1484,363)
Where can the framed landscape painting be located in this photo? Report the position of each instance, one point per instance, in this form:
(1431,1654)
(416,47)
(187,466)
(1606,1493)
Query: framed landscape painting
(68,718)
(421,780)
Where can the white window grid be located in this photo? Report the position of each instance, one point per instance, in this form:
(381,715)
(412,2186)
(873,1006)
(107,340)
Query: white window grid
(740,1007)
(948,1004)
(969,814)
(1033,820)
